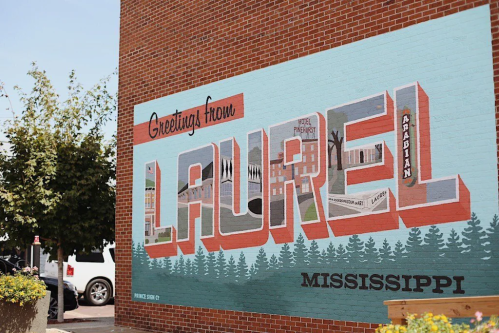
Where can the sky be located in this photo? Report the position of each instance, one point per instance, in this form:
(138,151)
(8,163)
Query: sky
(60,35)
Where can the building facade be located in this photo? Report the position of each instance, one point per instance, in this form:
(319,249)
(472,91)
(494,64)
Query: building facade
(289,166)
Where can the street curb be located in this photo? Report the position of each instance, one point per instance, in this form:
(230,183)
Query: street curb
(55,330)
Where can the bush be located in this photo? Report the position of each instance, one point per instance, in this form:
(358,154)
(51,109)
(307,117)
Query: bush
(441,324)
(22,287)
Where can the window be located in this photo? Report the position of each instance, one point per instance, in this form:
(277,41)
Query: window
(304,158)
(273,192)
(280,190)
(92,257)
(111,251)
(313,158)
(304,169)
(312,147)
(279,172)
(304,147)
(297,171)
(313,168)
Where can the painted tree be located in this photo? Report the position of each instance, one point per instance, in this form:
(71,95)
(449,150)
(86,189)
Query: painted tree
(331,254)
(454,246)
(399,252)
(341,253)
(181,265)
(261,263)
(167,265)
(211,263)
(59,173)
(371,252)
(285,257)
(323,258)
(314,254)
(142,256)
(199,265)
(188,267)
(385,252)
(252,271)
(493,239)
(355,248)
(176,270)
(155,265)
(300,252)
(414,244)
(221,265)
(335,137)
(273,263)
(434,241)
(242,268)
(474,239)
(231,270)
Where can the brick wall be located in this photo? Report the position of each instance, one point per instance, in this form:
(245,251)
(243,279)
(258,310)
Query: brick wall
(171,46)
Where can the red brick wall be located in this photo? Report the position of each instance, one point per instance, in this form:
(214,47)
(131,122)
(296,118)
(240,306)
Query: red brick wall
(171,46)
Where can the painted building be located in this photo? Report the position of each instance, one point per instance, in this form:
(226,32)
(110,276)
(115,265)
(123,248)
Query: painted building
(287,167)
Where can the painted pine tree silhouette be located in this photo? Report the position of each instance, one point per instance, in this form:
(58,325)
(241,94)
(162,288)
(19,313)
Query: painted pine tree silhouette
(199,265)
(181,265)
(454,246)
(176,270)
(261,263)
(414,244)
(285,257)
(473,239)
(167,265)
(385,252)
(188,267)
(399,252)
(493,240)
(314,254)
(341,253)
(242,268)
(331,254)
(221,265)
(252,271)
(155,265)
(323,258)
(300,252)
(273,263)
(371,254)
(434,242)
(231,270)
(355,248)
(211,271)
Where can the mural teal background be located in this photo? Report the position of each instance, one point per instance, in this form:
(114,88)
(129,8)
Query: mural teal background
(451,58)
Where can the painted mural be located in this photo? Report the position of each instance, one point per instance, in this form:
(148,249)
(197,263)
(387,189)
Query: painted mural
(325,185)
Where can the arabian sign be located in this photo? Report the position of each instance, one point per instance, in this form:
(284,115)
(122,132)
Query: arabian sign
(319,182)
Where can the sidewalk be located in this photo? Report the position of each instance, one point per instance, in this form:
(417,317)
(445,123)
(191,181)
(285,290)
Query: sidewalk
(93,325)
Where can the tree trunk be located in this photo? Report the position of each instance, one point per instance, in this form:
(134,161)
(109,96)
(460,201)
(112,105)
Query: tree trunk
(329,152)
(60,285)
(337,143)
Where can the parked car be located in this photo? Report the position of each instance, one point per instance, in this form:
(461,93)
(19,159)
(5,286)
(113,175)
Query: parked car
(92,274)
(70,292)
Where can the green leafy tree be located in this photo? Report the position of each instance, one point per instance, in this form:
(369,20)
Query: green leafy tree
(261,263)
(399,252)
(59,173)
(188,267)
(493,238)
(300,252)
(355,248)
(211,270)
(434,241)
(331,254)
(199,265)
(341,253)
(242,268)
(314,254)
(231,269)
(273,263)
(285,257)
(414,245)
(385,252)
(221,265)
(473,239)
(371,252)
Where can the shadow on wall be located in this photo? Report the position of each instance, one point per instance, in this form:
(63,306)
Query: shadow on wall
(30,318)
